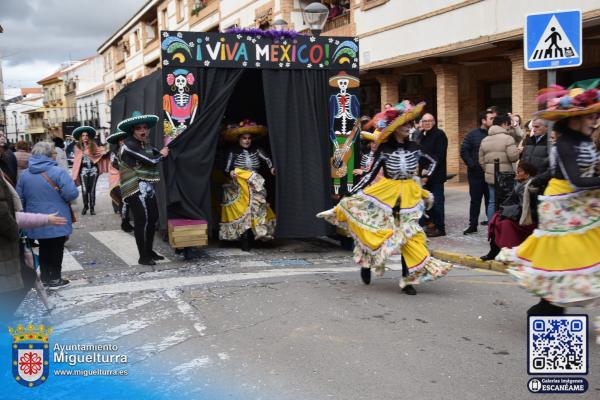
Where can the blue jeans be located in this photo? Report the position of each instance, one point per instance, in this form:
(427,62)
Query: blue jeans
(492,202)
(477,191)
(436,214)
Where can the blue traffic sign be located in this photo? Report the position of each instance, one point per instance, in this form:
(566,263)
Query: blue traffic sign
(553,40)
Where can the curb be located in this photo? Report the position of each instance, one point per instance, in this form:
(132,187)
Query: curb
(469,261)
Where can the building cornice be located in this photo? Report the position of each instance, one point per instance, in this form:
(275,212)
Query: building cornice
(123,29)
(589,17)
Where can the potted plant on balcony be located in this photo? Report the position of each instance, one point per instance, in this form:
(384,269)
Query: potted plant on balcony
(198,5)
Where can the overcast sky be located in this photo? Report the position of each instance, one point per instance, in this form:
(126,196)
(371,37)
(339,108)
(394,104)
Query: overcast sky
(41,34)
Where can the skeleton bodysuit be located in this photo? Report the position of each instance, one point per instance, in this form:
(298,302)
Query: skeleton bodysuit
(576,159)
(88,175)
(248,159)
(399,161)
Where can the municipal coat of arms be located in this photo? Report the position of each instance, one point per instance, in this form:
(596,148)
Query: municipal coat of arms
(30,354)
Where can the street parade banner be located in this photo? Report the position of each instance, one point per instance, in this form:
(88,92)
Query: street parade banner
(245,50)
(184,54)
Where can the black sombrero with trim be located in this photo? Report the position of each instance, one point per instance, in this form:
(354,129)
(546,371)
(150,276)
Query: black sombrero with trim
(137,118)
(115,137)
(79,130)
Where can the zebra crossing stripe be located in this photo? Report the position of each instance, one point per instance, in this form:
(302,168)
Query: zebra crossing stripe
(121,244)
(183,281)
(69,262)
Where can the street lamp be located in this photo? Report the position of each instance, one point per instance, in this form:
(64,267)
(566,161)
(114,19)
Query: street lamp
(280,24)
(315,16)
(16,126)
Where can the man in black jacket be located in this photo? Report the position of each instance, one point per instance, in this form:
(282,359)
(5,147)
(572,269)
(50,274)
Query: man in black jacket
(536,152)
(434,143)
(9,158)
(469,152)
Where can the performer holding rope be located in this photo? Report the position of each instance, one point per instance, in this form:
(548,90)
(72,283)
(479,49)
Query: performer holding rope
(560,261)
(383,217)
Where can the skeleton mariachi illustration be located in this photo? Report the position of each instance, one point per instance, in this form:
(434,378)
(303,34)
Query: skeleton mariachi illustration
(180,106)
(343,114)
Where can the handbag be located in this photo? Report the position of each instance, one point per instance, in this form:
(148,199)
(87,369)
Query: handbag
(55,187)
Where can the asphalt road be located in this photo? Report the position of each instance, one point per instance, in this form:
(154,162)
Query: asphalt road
(290,321)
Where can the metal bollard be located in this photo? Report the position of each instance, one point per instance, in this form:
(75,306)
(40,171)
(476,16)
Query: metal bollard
(496,186)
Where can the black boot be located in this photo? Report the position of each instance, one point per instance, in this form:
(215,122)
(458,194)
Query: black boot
(146,261)
(544,307)
(365,275)
(155,256)
(85,210)
(494,250)
(126,226)
(92,212)
(410,290)
(246,241)
(470,229)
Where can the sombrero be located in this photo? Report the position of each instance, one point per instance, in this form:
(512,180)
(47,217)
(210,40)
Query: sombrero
(387,121)
(79,130)
(353,82)
(246,126)
(115,137)
(136,119)
(581,98)
(370,136)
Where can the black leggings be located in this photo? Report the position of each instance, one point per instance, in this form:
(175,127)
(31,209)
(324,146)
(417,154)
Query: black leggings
(88,188)
(51,257)
(145,215)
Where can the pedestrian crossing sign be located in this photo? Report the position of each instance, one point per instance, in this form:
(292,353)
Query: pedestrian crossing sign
(553,40)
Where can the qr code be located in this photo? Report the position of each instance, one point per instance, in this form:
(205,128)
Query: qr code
(558,345)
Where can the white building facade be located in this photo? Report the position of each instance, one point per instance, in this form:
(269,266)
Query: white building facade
(17,119)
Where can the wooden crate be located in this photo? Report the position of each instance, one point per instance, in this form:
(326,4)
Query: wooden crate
(187,233)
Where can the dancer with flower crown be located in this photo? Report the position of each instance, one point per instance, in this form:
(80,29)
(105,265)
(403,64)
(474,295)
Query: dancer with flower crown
(382,215)
(560,261)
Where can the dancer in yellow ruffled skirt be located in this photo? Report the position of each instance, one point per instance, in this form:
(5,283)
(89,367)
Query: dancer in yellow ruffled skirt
(560,261)
(383,217)
(245,207)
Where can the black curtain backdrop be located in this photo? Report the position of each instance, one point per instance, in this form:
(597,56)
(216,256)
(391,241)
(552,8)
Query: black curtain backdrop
(296,108)
(296,116)
(189,166)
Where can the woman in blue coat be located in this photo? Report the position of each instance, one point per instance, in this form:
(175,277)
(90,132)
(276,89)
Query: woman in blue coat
(46,188)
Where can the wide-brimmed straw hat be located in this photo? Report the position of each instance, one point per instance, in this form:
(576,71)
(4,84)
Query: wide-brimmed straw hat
(79,130)
(370,136)
(115,137)
(246,126)
(387,121)
(353,82)
(137,119)
(581,98)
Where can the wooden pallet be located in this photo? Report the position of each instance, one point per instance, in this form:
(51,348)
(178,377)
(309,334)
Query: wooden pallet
(187,233)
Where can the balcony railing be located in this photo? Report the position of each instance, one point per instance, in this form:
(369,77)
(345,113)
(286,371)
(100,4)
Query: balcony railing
(207,7)
(337,22)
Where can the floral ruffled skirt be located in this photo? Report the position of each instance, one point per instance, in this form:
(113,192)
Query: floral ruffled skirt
(245,207)
(560,261)
(368,216)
